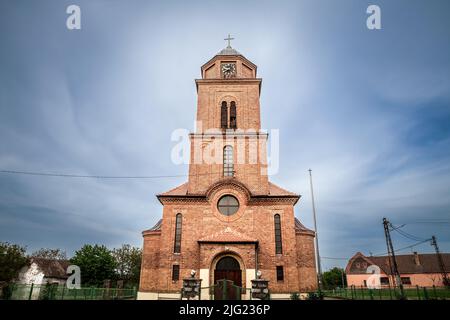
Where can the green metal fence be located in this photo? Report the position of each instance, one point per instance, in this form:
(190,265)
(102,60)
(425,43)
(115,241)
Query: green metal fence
(61,292)
(226,290)
(388,293)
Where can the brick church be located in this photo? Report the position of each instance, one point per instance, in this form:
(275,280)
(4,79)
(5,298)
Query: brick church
(228,221)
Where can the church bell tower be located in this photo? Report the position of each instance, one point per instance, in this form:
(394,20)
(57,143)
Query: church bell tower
(228,142)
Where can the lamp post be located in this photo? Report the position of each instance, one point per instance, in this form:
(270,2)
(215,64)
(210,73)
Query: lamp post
(319,267)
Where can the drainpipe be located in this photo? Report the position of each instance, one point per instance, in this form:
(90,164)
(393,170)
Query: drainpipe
(256,260)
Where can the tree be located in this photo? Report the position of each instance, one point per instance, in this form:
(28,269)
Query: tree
(12,259)
(46,253)
(128,262)
(333,278)
(96,264)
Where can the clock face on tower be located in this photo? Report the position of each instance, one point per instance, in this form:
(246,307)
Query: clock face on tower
(229,70)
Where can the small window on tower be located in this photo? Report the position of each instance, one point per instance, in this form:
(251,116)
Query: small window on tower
(233,123)
(280,273)
(175,272)
(224,115)
(228,163)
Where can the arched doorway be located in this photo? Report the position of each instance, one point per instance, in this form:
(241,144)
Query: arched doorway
(227,279)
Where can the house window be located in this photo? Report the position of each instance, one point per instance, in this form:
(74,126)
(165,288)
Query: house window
(224,115)
(278,244)
(406,280)
(175,272)
(177,242)
(280,273)
(228,165)
(233,124)
(384,281)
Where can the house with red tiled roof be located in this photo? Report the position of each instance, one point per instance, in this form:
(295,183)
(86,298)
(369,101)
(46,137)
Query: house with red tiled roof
(424,270)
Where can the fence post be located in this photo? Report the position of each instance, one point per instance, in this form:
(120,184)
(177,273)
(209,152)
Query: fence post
(418,292)
(425,293)
(362,292)
(224,295)
(63,291)
(54,290)
(390,292)
(434,291)
(31,291)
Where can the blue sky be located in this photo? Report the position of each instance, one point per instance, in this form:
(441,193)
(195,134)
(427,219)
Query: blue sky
(368,111)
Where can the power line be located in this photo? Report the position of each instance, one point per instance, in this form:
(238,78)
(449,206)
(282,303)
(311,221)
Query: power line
(404,233)
(63,175)
(404,248)
(409,236)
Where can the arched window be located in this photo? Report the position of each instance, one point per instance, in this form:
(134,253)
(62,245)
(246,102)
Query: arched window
(224,115)
(233,123)
(278,244)
(228,165)
(177,242)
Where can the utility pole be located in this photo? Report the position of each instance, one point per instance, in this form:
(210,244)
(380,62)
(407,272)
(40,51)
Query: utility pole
(319,267)
(342,278)
(445,278)
(391,255)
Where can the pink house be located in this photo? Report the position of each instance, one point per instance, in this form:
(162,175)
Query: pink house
(415,269)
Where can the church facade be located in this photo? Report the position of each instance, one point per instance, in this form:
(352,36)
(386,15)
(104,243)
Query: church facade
(228,221)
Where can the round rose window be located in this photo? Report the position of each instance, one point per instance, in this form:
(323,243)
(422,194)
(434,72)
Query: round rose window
(228,205)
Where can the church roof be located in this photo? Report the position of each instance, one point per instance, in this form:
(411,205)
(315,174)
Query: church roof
(182,189)
(275,190)
(229,51)
(157,226)
(228,235)
(300,227)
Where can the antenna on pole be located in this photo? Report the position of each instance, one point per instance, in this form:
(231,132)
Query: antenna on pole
(319,267)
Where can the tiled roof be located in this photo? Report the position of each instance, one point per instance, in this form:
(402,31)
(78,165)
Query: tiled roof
(229,51)
(227,235)
(275,190)
(182,189)
(156,227)
(52,268)
(300,227)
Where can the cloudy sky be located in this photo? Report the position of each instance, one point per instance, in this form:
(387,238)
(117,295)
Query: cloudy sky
(367,110)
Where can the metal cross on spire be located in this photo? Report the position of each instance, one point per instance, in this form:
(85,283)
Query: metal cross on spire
(229,40)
